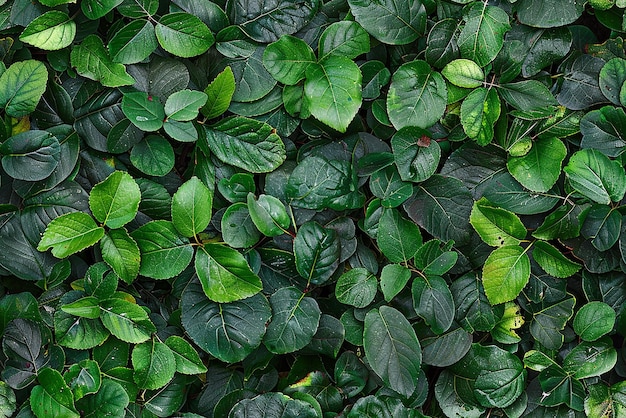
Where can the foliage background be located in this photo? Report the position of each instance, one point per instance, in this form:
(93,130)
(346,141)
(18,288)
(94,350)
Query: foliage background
(308,208)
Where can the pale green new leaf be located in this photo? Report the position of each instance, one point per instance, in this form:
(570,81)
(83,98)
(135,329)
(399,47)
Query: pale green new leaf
(51,31)
(496,226)
(505,273)
(126,320)
(464,73)
(70,233)
(115,201)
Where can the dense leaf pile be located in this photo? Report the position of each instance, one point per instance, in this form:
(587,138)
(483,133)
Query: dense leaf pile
(310,208)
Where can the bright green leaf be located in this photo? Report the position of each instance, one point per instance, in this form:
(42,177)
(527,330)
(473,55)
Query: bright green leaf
(51,31)
(479,112)
(183,105)
(287,59)
(21,87)
(552,261)
(191,207)
(482,36)
(183,35)
(133,43)
(464,73)
(92,61)
(496,226)
(95,9)
(596,176)
(187,359)
(52,396)
(144,111)
(121,252)
(219,94)
(126,320)
(505,273)
(540,168)
(344,39)
(69,234)
(593,320)
(84,378)
(268,214)
(115,201)
(86,307)
(154,364)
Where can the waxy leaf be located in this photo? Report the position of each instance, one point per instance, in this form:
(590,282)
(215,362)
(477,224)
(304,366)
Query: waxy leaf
(115,201)
(121,252)
(183,34)
(540,168)
(591,359)
(268,214)
(21,87)
(51,31)
(86,307)
(95,9)
(144,111)
(596,176)
(392,349)
(559,387)
(287,59)
(183,105)
(92,61)
(552,261)
(238,230)
(432,300)
(593,320)
(316,251)
(218,328)
(126,320)
(219,94)
(225,274)
(187,359)
(479,112)
(393,278)
(154,364)
(415,154)
(344,39)
(482,36)
(505,273)
(70,233)
(191,207)
(133,43)
(153,155)
(496,226)
(356,287)
(52,396)
(391,22)
(612,78)
(603,129)
(551,14)
(464,73)
(32,155)
(273,405)
(84,378)
(246,143)
(332,91)
(111,399)
(441,45)
(295,318)
(417,96)
(164,252)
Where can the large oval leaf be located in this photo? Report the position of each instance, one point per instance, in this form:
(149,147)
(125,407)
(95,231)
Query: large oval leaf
(218,328)
(154,364)
(432,300)
(52,396)
(391,22)
(51,31)
(133,43)
(183,34)
(550,14)
(482,36)
(21,87)
(416,156)
(417,96)
(392,349)
(191,207)
(32,155)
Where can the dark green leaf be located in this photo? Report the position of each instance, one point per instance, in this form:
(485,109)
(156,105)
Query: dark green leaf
(387,185)
(75,332)
(612,77)
(398,238)
(391,22)
(482,36)
(83,378)
(527,95)
(32,155)
(603,129)
(317,252)
(548,15)
(441,45)
(153,155)
(596,176)
(133,43)
(591,359)
(432,300)
(549,320)
(187,359)
(272,405)
(558,387)
(344,39)
(474,311)
(415,154)
(447,348)
(238,228)
(356,287)
(183,35)
(604,401)
(580,88)
(393,278)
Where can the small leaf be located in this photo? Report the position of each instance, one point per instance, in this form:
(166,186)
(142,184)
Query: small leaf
(92,61)
(69,234)
(603,129)
(552,261)
(479,112)
(593,320)
(417,96)
(317,252)
(52,396)
(219,94)
(153,155)
(432,300)
(393,278)
(295,318)
(464,73)
(21,87)
(154,364)
(398,238)
(287,59)
(191,207)
(86,307)
(126,320)
(596,176)
(505,273)
(392,349)
(225,274)
(415,154)
(268,214)
(187,359)
(332,91)
(115,201)
(356,287)
(83,378)
(183,105)
(51,31)
(391,22)
(496,226)
(238,229)
(144,111)
(183,35)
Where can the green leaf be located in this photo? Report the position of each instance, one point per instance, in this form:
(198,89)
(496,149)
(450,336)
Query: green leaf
(83,378)
(332,91)
(540,14)
(138,9)
(218,329)
(441,45)
(398,238)
(268,214)
(527,95)
(479,112)
(391,22)
(75,332)
(133,43)
(154,364)
(549,320)
(111,400)
(183,35)
(482,37)
(164,252)
(393,278)
(392,349)
(356,287)
(51,31)
(115,201)
(236,188)
(191,207)
(246,143)
(558,387)
(52,396)
(225,274)
(219,94)
(612,77)
(562,223)
(317,252)
(238,229)
(603,129)
(95,9)
(417,96)
(552,261)
(287,59)
(464,73)
(505,273)
(183,105)
(86,307)
(99,281)
(273,405)
(266,22)
(153,155)
(295,318)
(496,226)
(21,87)
(596,177)
(92,61)
(432,300)
(540,168)
(442,206)
(387,185)
(126,320)
(121,252)
(144,111)
(504,191)
(187,359)
(593,320)
(344,39)
(8,403)
(591,359)
(474,312)
(603,401)
(69,234)
(448,392)
(416,160)
(31,156)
